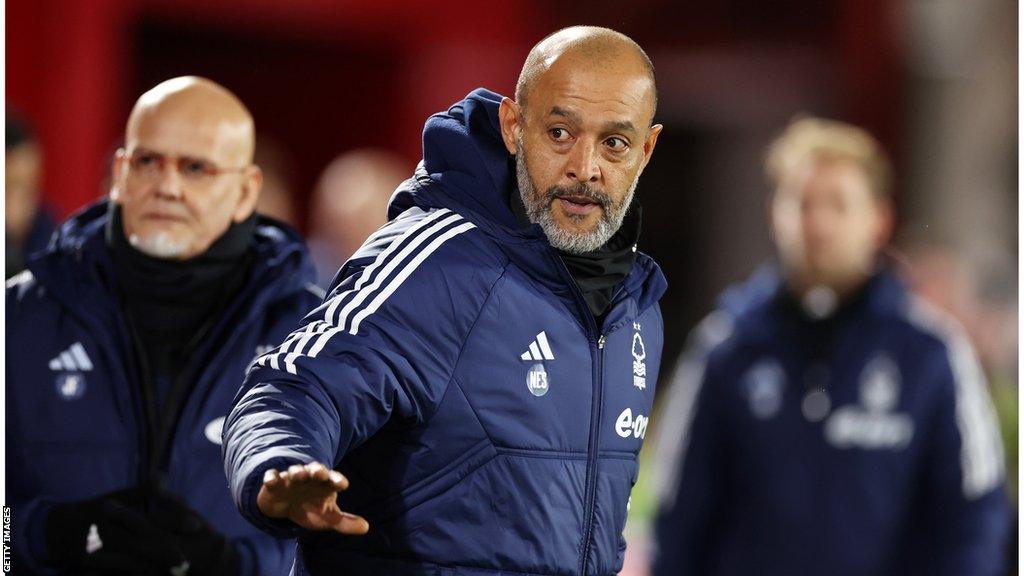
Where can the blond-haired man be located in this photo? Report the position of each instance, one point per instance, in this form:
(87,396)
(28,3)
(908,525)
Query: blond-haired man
(827,422)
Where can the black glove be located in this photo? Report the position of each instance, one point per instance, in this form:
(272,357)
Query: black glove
(106,535)
(111,534)
(206,549)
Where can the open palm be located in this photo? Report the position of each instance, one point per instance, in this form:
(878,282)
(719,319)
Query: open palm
(307,495)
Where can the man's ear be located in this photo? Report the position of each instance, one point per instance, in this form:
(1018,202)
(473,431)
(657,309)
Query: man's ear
(886,222)
(509,118)
(252,183)
(649,143)
(117,174)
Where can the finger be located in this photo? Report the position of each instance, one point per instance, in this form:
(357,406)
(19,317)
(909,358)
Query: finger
(344,522)
(329,517)
(272,479)
(338,480)
(351,524)
(298,472)
(318,472)
(273,504)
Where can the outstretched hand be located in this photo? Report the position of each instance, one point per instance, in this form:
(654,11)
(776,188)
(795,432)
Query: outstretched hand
(307,495)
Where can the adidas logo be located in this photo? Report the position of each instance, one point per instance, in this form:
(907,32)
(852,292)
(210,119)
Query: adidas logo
(539,349)
(92,540)
(72,359)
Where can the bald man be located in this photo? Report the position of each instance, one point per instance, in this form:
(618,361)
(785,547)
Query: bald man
(127,340)
(471,397)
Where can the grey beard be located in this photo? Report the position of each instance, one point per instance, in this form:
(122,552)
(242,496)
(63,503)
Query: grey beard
(538,210)
(158,245)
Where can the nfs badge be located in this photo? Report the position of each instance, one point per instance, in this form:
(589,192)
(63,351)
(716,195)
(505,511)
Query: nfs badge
(537,380)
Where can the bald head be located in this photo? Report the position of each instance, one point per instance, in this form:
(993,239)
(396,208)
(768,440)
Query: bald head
(186,172)
(193,102)
(585,46)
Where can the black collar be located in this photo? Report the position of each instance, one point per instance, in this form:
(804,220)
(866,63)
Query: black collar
(597,273)
(173,297)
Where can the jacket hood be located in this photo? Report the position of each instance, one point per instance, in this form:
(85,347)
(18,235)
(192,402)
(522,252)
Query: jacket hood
(77,267)
(466,168)
(465,165)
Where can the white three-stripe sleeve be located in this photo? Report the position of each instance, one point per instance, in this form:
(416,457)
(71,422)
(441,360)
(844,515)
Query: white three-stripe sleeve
(289,358)
(362,292)
(371,289)
(393,261)
(406,272)
(676,419)
(295,344)
(981,446)
(419,233)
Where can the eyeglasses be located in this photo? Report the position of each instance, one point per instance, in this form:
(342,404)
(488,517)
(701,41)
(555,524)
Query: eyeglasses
(150,165)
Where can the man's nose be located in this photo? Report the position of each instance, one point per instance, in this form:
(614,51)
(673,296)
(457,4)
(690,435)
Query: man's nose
(169,185)
(819,225)
(583,165)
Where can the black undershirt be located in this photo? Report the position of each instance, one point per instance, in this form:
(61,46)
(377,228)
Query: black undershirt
(819,333)
(597,273)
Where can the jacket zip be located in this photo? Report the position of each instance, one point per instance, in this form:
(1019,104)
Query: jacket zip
(202,376)
(175,399)
(143,400)
(597,353)
(595,437)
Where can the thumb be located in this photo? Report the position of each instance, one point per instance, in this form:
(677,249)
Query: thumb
(345,522)
(325,515)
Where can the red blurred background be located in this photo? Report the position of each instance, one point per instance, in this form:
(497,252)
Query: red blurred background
(323,76)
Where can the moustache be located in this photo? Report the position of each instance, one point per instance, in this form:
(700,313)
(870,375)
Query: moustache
(580,190)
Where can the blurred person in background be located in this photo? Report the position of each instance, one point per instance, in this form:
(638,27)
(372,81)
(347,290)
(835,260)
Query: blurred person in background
(28,223)
(484,367)
(349,203)
(126,341)
(277,195)
(824,420)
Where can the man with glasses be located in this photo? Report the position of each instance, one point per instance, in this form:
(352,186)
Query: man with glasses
(126,341)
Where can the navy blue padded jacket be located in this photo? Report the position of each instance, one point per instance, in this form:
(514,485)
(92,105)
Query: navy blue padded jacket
(456,376)
(76,425)
(902,474)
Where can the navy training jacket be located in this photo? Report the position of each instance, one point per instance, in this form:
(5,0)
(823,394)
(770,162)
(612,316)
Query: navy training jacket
(75,416)
(902,476)
(456,376)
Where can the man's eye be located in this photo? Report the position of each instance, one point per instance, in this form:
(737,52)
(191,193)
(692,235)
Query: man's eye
(617,144)
(195,168)
(146,160)
(559,134)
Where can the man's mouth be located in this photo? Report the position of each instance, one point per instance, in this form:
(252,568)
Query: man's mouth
(577,205)
(163,217)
